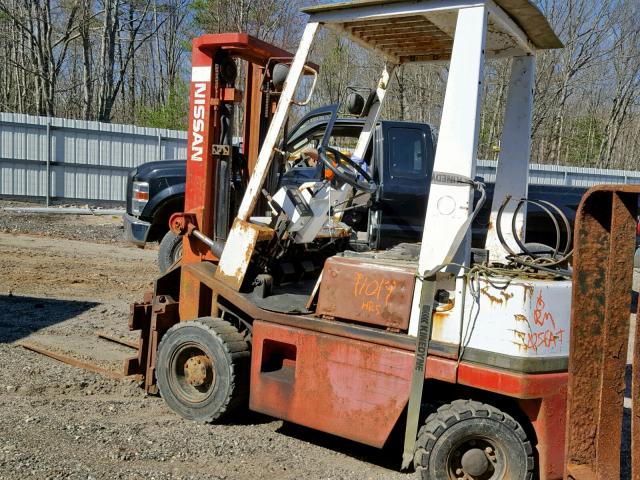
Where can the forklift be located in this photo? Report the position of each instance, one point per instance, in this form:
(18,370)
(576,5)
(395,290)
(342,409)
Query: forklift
(464,352)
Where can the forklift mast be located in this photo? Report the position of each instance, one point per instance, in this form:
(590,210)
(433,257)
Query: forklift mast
(214,100)
(214,97)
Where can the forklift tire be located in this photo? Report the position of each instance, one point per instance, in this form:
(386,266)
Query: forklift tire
(170,251)
(202,369)
(469,439)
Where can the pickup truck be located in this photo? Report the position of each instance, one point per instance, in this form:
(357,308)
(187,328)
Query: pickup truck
(400,159)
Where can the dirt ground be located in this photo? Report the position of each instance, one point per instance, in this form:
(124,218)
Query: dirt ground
(64,422)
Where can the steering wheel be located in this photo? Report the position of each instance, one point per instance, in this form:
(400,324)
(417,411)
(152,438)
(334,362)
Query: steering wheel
(347,170)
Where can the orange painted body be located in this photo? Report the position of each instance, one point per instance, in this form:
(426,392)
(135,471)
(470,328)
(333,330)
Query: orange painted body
(359,390)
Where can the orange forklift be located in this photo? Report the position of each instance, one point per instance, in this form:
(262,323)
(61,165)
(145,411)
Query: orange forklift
(277,307)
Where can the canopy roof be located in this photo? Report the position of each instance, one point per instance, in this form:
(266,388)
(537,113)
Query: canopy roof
(423,30)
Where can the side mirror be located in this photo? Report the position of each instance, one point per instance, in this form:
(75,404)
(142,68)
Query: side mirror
(355,104)
(278,74)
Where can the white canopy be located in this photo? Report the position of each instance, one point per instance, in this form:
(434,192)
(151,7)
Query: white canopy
(417,31)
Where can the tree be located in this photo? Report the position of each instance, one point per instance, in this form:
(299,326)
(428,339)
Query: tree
(45,30)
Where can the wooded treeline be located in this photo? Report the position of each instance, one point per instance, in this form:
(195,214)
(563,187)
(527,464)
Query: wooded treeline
(128,61)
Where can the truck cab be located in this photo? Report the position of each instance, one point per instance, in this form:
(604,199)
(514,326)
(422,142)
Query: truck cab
(400,159)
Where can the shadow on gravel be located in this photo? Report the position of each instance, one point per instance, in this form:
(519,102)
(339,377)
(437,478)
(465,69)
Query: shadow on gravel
(389,457)
(21,316)
(247,417)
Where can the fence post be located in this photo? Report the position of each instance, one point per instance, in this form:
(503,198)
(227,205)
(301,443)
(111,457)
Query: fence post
(48,160)
(159,146)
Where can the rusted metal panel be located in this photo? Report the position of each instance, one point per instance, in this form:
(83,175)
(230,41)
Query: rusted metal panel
(242,241)
(158,315)
(367,292)
(139,319)
(253,128)
(547,415)
(193,298)
(603,263)
(329,383)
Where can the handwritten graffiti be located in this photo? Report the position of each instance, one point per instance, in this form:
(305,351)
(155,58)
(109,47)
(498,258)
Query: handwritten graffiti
(543,333)
(375,292)
(540,317)
(547,338)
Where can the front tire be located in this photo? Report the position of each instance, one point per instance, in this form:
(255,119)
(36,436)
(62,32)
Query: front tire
(202,369)
(170,251)
(471,440)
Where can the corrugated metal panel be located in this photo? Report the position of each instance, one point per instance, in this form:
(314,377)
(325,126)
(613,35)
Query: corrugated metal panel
(89,160)
(564,175)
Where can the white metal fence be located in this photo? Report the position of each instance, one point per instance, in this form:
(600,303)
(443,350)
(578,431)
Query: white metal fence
(564,175)
(80,160)
(76,159)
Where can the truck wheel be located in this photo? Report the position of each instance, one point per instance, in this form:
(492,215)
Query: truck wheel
(170,251)
(470,440)
(202,369)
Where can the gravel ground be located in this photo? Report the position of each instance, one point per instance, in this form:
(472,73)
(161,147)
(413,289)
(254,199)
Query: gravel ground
(72,276)
(63,422)
(94,228)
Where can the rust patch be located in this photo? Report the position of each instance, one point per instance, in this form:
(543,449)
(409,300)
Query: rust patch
(523,341)
(520,335)
(447,306)
(439,320)
(520,318)
(528,293)
(606,222)
(485,291)
(507,296)
(243,235)
(368,292)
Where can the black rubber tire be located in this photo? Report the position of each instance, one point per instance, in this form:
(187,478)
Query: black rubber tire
(460,421)
(170,251)
(230,356)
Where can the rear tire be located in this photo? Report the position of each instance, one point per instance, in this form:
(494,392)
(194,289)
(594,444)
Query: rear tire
(469,439)
(170,251)
(202,369)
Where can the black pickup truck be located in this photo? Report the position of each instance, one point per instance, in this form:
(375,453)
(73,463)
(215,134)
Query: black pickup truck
(401,159)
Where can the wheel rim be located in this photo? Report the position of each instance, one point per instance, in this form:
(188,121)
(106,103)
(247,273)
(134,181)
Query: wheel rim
(476,458)
(177,252)
(192,376)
